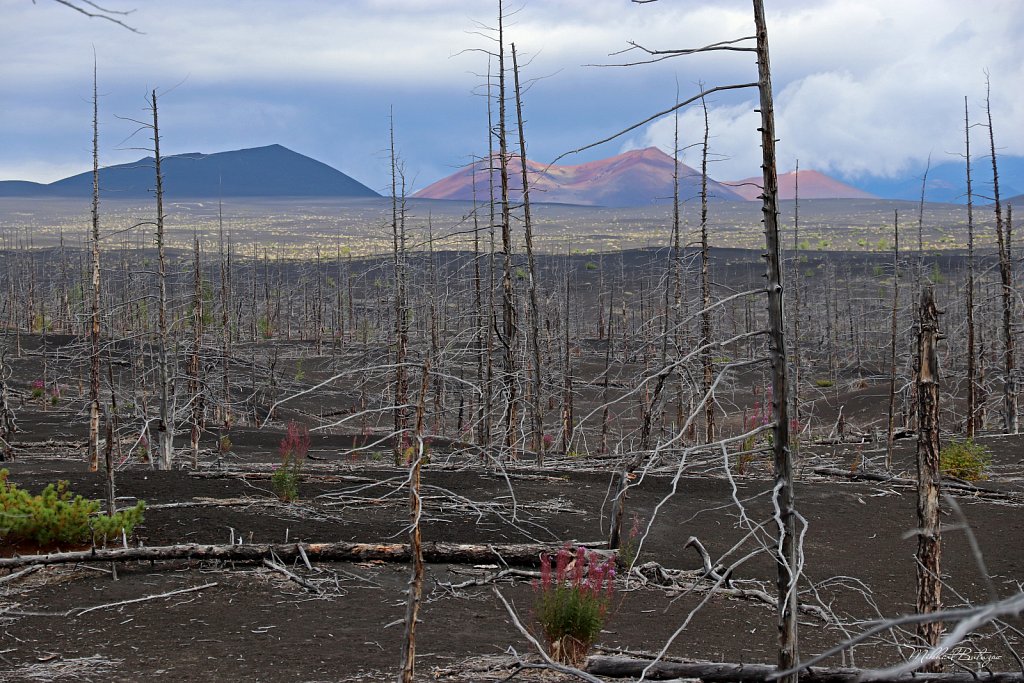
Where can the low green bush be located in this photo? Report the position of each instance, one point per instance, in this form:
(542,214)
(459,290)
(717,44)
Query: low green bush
(965,460)
(56,516)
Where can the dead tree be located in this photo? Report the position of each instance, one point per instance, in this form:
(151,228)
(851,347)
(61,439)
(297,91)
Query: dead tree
(195,384)
(972,371)
(165,425)
(8,425)
(401,323)
(788,575)
(795,277)
(225,326)
(891,434)
(785,515)
(705,286)
(412,607)
(1010,419)
(509,332)
(536,406)
(929,541)
(94,327)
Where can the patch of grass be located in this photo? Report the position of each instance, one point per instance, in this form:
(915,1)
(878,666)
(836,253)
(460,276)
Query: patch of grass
(823,383)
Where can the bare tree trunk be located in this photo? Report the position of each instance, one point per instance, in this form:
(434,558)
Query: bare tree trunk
(972,370)
(568,419)
(195,388)
(929,541)
(1010,419)
(225,309)
(412,607)
(538,369)
(94,336)
(795,277)
(401,334)
(605,397)
(890,436)
(788,575)
(108,461)
(491,325)
(705,288)
(509,324)
(165,427)
(318,307)
(481,326)
(8,426)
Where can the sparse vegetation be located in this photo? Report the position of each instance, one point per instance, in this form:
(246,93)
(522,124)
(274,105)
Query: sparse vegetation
(571,601)
(967,460)
(57,516)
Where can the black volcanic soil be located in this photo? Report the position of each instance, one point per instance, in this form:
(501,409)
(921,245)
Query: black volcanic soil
(252,624)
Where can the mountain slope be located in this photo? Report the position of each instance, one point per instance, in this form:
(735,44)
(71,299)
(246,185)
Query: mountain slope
(272,171)
(947,181)
(813,185)
(635,178)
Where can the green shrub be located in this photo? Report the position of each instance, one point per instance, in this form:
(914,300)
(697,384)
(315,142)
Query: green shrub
(965,460)
(823,383)
(55,516)
(626,555)
(572,602)
(294,447)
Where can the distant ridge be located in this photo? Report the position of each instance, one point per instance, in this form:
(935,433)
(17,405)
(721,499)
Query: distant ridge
(271,171)
(947,181)
(638,177)
(813,185)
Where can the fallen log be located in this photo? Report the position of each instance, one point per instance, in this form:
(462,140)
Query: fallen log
(518,554)
(959,486)
(718,672)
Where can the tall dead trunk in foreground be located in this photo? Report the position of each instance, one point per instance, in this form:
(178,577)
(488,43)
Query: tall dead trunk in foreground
(972,370)
(94,331)
(890,435)
(784,500)
(536,405)
(412,607)
(401,333)
(165,427)
(509,327)
(705,288)
(929,541)
(1010,419)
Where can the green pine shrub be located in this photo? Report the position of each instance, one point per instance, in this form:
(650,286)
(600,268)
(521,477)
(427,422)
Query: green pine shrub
(56,516)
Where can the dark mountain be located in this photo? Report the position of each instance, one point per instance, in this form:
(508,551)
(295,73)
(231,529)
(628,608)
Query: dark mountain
(21,188)
(640,177)
(272,171)
(947,182)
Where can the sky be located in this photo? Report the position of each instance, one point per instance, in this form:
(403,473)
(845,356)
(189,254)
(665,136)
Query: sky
(862,87)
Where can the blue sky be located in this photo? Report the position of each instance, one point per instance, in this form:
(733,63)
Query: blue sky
(861,86)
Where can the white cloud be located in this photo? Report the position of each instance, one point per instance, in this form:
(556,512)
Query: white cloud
(867,85)
(875,88)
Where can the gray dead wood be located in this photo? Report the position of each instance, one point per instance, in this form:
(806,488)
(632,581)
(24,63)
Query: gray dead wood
(518,554)
(718,672)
